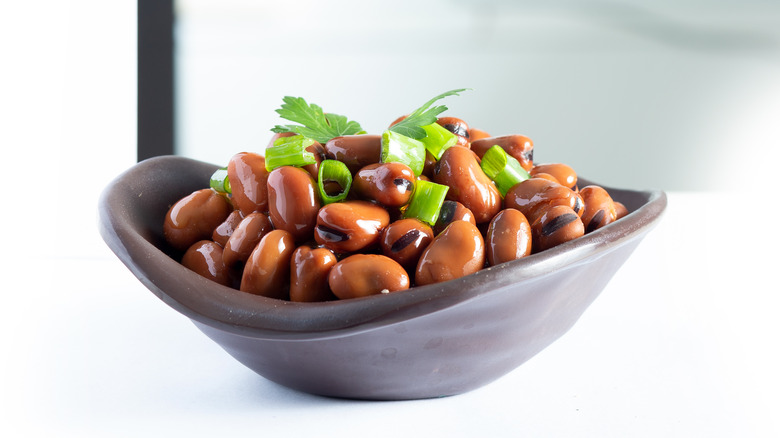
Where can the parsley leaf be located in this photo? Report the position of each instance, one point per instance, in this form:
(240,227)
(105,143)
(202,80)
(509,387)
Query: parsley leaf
(422,116)
(317,125)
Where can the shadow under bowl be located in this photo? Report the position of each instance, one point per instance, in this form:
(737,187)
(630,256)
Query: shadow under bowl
(430,341)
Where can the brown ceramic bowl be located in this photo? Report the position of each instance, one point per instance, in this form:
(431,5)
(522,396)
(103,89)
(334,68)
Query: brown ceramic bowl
(430,341)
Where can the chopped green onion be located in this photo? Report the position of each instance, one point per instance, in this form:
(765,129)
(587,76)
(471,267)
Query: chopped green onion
(220,181)
(502,168)
(438,139)
(397,148)
(426,201)
(333,172)
(289,151)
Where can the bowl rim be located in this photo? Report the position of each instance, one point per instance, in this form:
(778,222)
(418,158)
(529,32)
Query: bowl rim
(238,312)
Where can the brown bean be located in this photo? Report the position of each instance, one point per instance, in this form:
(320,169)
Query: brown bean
(533,196)
(293,201)
(518,146)
(621,210)
(558,224)
(457,127)
(599,208)
(356,151)
(223,231)
(247,175)
(477,134)
(450,212)
(404,241)
(390,184)
(205,258)
(267,271)
(508,237)
(361,275)
(350,226)
(546,176)
(457,251)
(245,237)
(459,169)
(309,269)
(194,217)
(564,174)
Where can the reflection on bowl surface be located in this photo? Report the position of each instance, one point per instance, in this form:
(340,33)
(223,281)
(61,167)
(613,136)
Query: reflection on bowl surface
(430,341)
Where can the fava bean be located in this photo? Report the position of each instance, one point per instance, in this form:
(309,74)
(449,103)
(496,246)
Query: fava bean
(356,151)
(450,212)
(404,241)
(293,201)
(194,218)
(599,208)
(309,269)
(557,225)
(205,258)
(361,275)
(508,237)
(459,169)
(563,174)
(457,251)
(533,196)
(245,237)
(390,184)
(267,271)
(620,209)
(223,231)
(350,226)
(247,175)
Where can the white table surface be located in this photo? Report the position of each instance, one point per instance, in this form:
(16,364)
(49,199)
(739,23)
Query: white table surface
(682,342)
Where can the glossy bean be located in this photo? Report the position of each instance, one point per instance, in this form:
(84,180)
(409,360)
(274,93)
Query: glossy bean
(518,146)
(390,184)
(564,174)
(309,269)
(245,237)
(350,226)
(267,271)
(459,169)
(293,201)
(405,240)
(457,251)
(477,134)
(508,237)
(533,196)
(599,208)
(205,258)
(558,224)
(247,174)
(361,275)
(194,218)
(450,212)
(621,210)
(356,151)
(457,127)
(223,231)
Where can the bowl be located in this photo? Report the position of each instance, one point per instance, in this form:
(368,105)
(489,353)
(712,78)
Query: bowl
(429,341)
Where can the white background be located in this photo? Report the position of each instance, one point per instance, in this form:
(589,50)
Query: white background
(682,342)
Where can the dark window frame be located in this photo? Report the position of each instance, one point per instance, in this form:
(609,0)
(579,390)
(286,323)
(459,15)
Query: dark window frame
(156,91)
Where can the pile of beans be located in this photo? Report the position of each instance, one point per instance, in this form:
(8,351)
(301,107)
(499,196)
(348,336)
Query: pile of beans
(273,237)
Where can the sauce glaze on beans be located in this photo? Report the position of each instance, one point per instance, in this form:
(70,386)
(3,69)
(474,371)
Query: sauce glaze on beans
(273,236)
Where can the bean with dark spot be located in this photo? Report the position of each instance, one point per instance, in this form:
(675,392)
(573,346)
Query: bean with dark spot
(390,184)
(350,226)
(457,251)
(404,241)
(452,211)
(599,208)
(457,127)
(535,195)
(558,224)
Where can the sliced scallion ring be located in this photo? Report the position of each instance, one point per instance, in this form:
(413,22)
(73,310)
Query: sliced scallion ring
(289,151)
(397,148)
(333,173)
(438,139)
(503,168)
(426,201)
(220,181)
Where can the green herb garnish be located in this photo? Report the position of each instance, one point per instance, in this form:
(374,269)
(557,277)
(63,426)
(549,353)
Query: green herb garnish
(503,168)
(333,174)
(424,115)
(316,124)
(426,201)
